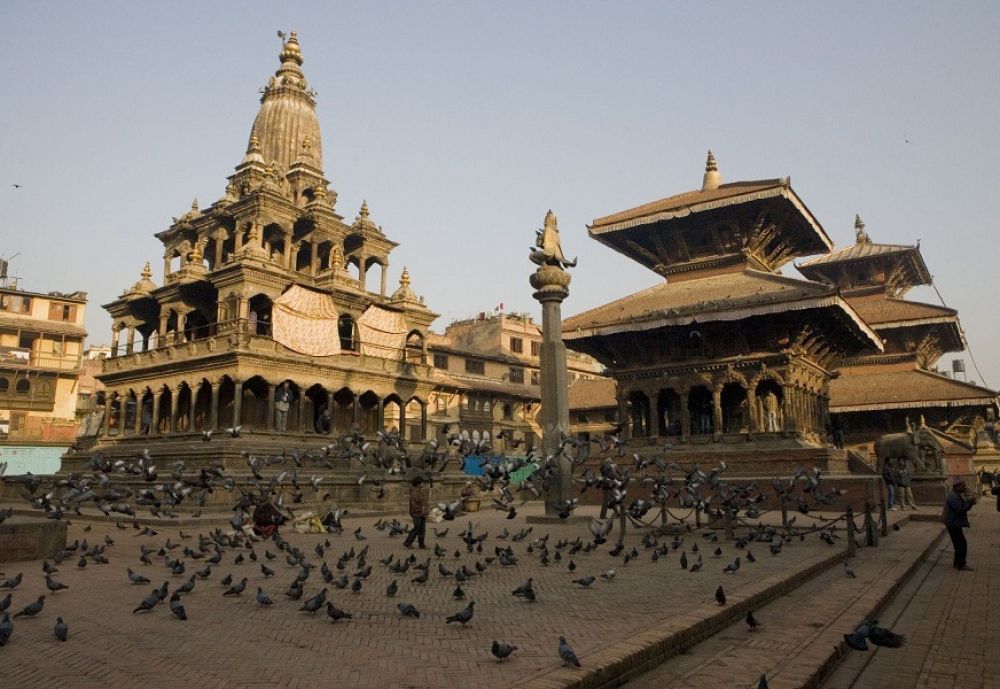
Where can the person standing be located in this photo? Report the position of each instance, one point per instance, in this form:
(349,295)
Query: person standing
(419,508)
(282,402)
(956,517)
(903,491)
(889,476)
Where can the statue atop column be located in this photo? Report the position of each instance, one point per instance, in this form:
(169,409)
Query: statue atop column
(548,249)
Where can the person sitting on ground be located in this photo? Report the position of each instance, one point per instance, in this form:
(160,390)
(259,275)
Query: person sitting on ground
(323,422)
(266,519)
(469,491)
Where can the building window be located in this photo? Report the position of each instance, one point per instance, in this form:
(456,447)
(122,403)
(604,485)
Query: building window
(475,366)
(486,406)
(609,416)
(536,347)
(4,385)
(440,404)
(581,418)
(536,378)
(23,387)
(441,361)
(508,412)
(516,375)
(62,312)
(465,403)
(17,422)
(516,345)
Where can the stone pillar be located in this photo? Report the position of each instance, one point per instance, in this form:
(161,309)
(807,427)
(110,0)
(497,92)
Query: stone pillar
(329,406)
(717,412)
(166,266)
(788,407)
(385,274)
(302,410)
(238,403)
(137,421)
(362,271)
(381,415)
(423,421)
(270,407)
(685,416)
(161,333)
(551,283)
(181,322)
(219,241)
(115,332)
(313,257)
(130,341)
(175,398)
(154,425)
(213,414)
(287,258)
(357,410)
(192,407)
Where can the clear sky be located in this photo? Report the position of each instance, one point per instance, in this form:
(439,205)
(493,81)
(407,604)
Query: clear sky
(461,123)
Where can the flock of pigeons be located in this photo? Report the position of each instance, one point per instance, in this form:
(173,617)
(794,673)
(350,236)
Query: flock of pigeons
(632,486)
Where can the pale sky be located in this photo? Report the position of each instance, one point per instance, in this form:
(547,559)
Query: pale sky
(461,123)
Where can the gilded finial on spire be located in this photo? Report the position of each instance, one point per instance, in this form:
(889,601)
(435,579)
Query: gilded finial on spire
(364,209)
(254,145)
(147,271)
(859,231)
(712,178)
(404,279)
(194,204)
(290,48)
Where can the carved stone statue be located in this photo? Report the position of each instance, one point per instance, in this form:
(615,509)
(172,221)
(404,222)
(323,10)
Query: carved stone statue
(917,446)
(549,250)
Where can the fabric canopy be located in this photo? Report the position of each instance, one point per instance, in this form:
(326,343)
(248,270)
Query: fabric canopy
(305,321)
(382,332)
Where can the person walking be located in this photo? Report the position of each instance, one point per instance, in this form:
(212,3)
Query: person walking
(889,476)
(419,508)
(956,517)
(282,402)
(904,493)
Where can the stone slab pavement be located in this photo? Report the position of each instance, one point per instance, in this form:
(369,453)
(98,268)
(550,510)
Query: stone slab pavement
(231,643)
(949,618)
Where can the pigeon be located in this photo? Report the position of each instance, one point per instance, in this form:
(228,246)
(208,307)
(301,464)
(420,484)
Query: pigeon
(61,630)
(32,609)
(501,651)
(585,582)
(149,602)
(187,586)
(566,653)
(762,683)
(525,591)
(877,635)
(52,585)
(609,575)
(314,603)
(6,629)
(47,568)
(392,588)
(458,593)
(263,598)
(236,589)
(731,568)
(227,580)
(684,560)
(13,582)
(463,616)
(266,571)
(720,596)
(336,614)
(177,608)
(136,578)
(849,571)
(407,610)
(751,621)
(5,603)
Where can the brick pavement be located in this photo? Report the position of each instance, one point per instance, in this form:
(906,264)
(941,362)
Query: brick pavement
(231,642)
(949,619)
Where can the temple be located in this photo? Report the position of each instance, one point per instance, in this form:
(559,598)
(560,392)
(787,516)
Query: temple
(899,388)
(727,351)
(267,285)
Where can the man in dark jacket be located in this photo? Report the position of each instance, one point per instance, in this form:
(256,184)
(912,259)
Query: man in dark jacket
(956,517)
(419,508)
(889,476)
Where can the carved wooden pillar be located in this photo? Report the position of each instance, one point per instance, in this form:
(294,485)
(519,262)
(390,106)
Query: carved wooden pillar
(237,402)
(270,407)
(685,416)
(213,414)
(717,411)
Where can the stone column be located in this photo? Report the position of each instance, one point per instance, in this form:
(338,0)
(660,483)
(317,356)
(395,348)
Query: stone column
(788,407)
(329,406)
(381,415)
(270,407)
(137,421)
(551,283)
(175,398)
(287,258)
(154,425)
(192,407)
(302,411)
(423,421)
(181,322)
(313,256)
(219,241)
(385,274)
(115,332)
(130,342)
(213,414)
(717,412)
(362,271)
(357,410)
(238,403)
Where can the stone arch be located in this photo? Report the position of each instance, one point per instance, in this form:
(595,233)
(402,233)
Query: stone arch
(639,403)
(274,240)
(303,257)
(316,399)
(735,407)
(413,349)
(196,326)
(23,386)
(166,406)
(669,413)
(185,399)
(260,312)
(253,409)
(202,405)
(370,410)
(343,409)
(382,268)
(416,411)
(394,413)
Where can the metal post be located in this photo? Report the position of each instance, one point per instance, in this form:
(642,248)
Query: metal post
(883,511)
(729,524)
(784,510)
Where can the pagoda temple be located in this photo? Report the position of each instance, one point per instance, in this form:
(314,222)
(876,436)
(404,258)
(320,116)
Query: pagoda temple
(726,351)
(265,286)
(899,388)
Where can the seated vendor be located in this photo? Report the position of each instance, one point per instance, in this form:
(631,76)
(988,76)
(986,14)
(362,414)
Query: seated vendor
(266,519)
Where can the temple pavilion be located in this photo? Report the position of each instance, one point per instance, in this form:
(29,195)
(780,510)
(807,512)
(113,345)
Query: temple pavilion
(726,350)
(267,285)
(900,387)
